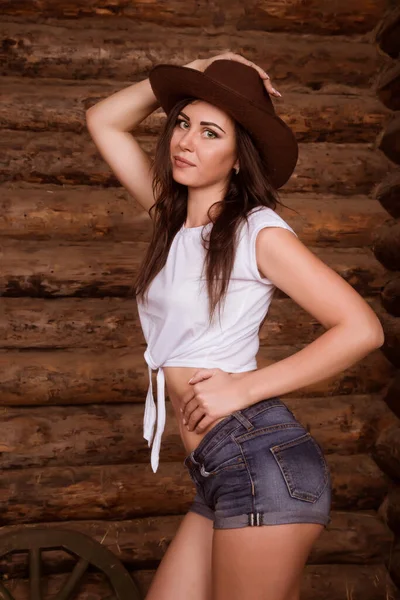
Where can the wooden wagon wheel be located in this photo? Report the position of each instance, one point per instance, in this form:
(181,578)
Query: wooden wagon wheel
(89,551)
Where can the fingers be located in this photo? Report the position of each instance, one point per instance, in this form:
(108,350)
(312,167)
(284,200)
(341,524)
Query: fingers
(200,375)
(191,414)
(265,77)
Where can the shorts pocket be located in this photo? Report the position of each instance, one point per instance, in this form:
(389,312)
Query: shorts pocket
(303,467)
(231,464)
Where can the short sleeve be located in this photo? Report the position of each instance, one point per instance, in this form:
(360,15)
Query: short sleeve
(257,220)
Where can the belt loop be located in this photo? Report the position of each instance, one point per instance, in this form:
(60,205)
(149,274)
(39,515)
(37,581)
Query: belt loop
(243,420)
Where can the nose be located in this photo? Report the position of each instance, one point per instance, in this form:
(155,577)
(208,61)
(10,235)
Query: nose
(186,142)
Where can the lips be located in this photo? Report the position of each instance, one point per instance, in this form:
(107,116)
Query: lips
(184,161)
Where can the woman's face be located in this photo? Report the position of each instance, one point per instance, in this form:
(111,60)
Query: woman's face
(205,136)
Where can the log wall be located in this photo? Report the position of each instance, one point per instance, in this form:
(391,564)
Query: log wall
(385,245)
(72,374)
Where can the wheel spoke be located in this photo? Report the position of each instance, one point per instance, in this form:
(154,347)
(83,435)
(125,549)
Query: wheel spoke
(5,594)
(35,572)
(73,580)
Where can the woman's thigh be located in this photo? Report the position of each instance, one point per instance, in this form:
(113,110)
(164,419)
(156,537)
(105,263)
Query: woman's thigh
(261,562)
(185,569)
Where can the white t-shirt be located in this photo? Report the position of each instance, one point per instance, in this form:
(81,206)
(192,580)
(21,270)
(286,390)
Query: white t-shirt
(175,320)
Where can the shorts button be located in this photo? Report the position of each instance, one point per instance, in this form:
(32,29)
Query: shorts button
(203,471)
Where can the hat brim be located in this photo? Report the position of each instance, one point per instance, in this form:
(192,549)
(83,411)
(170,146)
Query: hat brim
(273,137)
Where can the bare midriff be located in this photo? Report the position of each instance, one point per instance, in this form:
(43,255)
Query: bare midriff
(177,387)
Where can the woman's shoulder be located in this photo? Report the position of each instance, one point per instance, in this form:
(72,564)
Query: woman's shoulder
(264,216)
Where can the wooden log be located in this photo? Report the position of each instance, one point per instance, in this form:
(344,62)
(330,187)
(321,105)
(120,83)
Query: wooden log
(389,511)
(391,296)
(388,33)
(97,435)
(392,396)
(387,192)
(84,269)
(114,323)
(314,117)
(362,161)
(388,86)
(350,218)
(390,140)
(311,17)
(386,244)
(331,582)
(72,323)
(339,426)
(68,158)
(84,213)
(93,376)
(126,51)
(352,536)
(126,491)
(345,18)
(394,564)
(391,345)
(386,451)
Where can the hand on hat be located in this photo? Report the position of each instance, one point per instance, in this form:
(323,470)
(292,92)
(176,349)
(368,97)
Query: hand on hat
(202,64)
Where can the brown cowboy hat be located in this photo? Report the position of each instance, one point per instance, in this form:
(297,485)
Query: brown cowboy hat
(239,90)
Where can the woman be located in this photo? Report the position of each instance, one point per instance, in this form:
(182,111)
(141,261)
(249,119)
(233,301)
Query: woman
(218,246)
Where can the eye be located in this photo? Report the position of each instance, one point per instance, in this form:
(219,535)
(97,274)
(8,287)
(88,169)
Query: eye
(179,121)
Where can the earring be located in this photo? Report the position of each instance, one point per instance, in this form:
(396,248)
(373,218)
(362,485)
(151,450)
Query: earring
(236,170)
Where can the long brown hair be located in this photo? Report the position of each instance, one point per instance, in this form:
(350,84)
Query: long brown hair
(246,190)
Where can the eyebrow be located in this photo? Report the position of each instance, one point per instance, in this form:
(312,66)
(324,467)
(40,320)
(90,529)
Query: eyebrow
(202,122)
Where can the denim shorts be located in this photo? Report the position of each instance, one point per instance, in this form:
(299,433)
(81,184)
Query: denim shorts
(260,466)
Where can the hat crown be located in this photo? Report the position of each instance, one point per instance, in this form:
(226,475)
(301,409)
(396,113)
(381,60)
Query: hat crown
(243,80)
